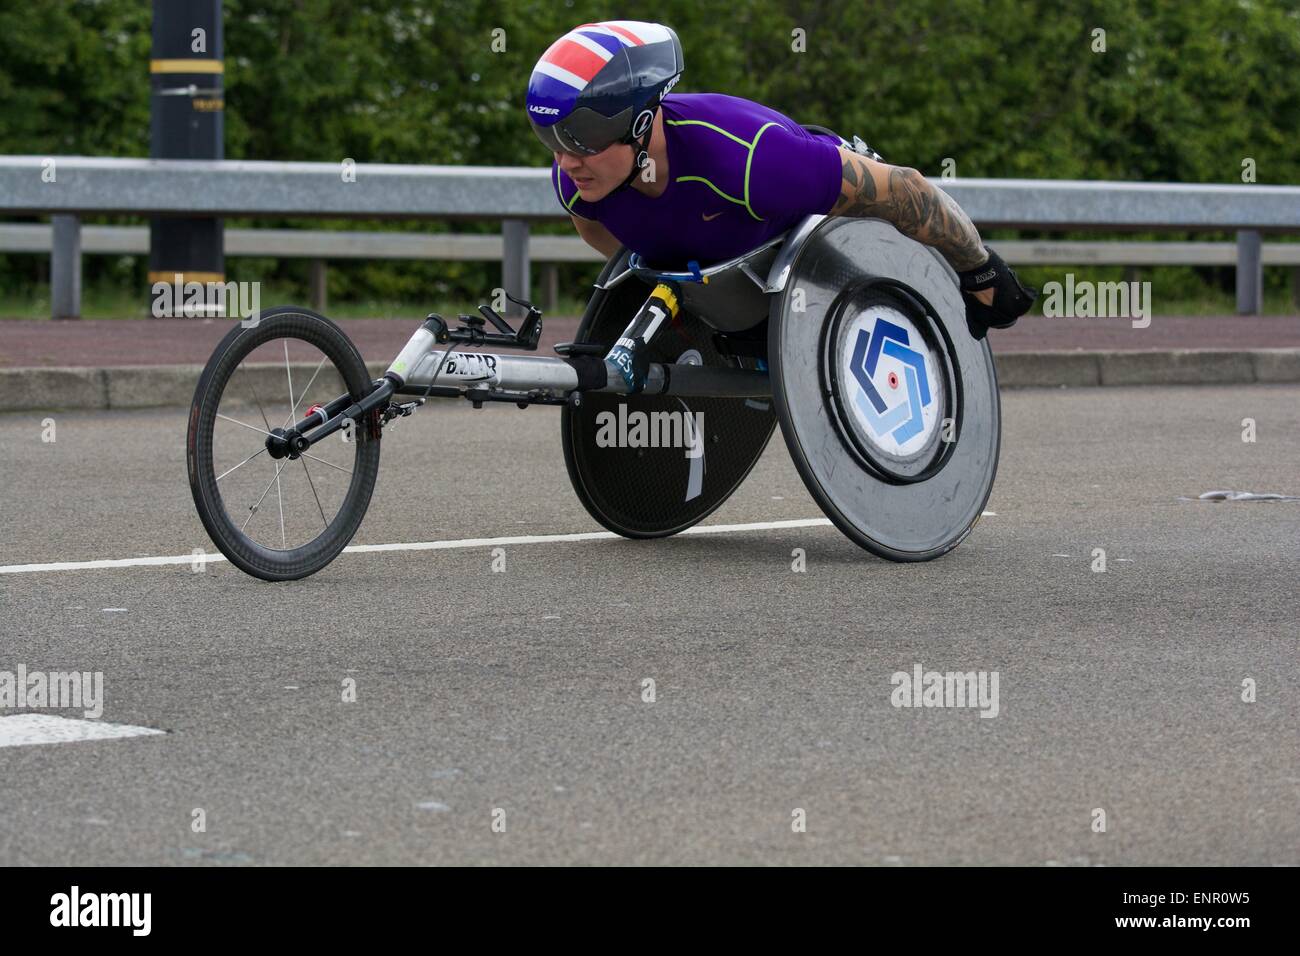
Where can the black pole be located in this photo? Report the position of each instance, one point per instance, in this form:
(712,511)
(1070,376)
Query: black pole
(186,121)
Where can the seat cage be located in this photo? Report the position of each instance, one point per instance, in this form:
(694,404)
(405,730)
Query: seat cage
(730,296)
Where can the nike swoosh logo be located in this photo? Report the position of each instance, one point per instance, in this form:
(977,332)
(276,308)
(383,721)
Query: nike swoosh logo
(714,216)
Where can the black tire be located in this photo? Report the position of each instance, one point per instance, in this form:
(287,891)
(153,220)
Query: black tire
(248,555)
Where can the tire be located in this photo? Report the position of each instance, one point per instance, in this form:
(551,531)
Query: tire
(280,564)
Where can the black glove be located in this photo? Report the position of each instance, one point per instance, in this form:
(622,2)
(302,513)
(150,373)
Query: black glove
(1011,299)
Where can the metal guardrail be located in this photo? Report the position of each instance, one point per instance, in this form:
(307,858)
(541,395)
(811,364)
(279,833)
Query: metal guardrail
(318,246)
(85,185)
(311,244)
(322,244)
(69,187)
(94,185)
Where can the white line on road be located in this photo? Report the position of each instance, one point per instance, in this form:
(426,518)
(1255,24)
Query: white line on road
(413,546)
(407,546)
(21,730)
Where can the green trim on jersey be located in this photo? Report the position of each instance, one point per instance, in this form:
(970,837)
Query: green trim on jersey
(701,179)
(559,191)
(749,159)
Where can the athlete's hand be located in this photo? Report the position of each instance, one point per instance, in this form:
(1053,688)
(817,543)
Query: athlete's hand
(995,297)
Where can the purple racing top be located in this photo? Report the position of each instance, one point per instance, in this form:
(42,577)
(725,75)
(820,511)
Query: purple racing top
(738,174)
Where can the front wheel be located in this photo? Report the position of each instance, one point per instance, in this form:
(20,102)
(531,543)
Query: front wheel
(287,518)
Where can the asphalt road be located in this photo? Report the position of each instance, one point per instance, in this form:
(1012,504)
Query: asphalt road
(522,692)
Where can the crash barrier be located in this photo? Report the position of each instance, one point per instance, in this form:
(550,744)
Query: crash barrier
(69,188)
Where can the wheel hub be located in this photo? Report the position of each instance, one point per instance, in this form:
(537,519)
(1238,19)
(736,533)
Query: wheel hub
(278,445)
(890,384)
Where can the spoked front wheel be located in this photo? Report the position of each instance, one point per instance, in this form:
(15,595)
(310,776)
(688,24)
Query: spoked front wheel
(285,517)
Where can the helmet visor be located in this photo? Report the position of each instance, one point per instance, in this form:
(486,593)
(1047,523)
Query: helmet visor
(584,132)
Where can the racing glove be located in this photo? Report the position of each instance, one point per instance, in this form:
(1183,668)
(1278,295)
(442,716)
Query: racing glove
(1011,299)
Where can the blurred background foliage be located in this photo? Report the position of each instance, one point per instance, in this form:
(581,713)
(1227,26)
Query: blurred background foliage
(1184,92)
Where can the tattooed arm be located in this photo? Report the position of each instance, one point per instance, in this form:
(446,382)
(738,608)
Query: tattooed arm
(904,197)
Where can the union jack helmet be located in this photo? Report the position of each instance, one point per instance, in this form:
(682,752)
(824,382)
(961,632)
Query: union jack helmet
(601,83)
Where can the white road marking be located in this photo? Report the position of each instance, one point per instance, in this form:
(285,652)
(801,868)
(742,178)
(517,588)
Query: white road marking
(23,729)
(412,546)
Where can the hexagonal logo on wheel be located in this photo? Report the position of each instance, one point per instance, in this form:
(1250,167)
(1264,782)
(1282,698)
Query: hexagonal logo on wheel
(891,380)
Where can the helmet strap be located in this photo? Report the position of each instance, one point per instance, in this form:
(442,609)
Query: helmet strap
(641,148)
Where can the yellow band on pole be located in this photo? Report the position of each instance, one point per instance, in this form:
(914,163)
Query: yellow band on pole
(666,295)
(169,276)
(187,66)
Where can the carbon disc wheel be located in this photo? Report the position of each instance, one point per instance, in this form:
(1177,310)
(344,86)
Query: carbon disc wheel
(650,489)
(889,408)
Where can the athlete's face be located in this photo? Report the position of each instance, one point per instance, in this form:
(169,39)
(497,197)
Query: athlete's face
(598,175)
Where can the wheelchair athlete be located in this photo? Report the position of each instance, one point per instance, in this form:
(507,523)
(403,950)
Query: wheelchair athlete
(705,176)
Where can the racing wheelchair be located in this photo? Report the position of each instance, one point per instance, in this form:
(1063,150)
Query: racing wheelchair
(844,332)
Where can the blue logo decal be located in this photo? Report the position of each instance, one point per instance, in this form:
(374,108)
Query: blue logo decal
(903,420)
